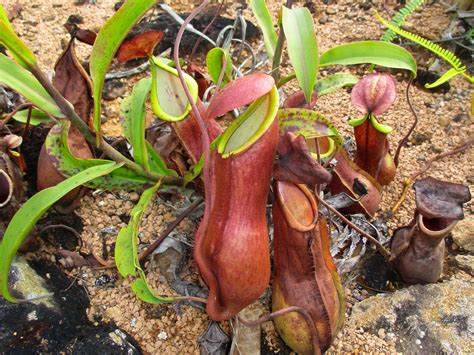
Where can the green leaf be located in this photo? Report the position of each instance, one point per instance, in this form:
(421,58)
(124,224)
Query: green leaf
(126,253)
(37,117)
(302,47)
(66,163)
(369,52)
(445,77)
(157,165)
(143,292)
(133,112)
(3,15)
(264,20)
(286,79)
(195,170)
(334,82)
(18,49)
(168,99)
(21,81)
(215,60)
(250,125)
(106,44)
(31,212)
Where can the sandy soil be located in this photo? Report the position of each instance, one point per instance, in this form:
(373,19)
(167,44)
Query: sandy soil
(444,123)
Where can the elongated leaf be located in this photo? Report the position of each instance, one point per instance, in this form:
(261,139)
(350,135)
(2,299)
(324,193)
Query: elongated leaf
(143,292)
(369,52)
(264,20)
(133,112)
(106,44)
(21,81)
(157,164)
(445,77)
(3,15)
(18,49)
(302,47)
(215,60)
(31,212)
(126,253)
(334,82)
(68,165)
(194,171)
(168,99)
(37,117)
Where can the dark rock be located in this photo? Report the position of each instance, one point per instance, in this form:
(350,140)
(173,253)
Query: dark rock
(75,19)
(57,322)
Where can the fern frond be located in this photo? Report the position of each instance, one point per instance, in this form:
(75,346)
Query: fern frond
(441,52)
(400,17)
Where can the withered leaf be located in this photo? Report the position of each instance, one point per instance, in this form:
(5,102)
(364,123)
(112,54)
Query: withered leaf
(295,163)
(439,199)
(72,259)
(214,341)
(140,46)
(73,82)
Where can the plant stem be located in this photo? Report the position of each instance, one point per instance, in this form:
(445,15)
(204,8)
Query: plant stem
(385,253)
(9,116)
(279,49)
(409,181)
(68,110)
(309,321)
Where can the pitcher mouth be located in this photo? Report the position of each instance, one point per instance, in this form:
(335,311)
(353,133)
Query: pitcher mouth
(284,189)
(6,188)
(435,226)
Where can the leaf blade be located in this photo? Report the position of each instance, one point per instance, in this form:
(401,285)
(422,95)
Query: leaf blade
(66,163)
(334,82)
(451,73)
(369,52)
(126,256)
(214,61)
(264,20)
(107,43)
(302,47)
(133,111)
(21,81)
(31,212)
(18,49)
